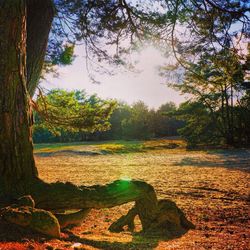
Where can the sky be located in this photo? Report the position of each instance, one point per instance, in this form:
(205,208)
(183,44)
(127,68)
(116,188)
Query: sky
(130,87)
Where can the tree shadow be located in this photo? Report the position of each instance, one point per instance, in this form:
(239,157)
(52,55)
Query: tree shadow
(14,233)
(232,159)
(139,241)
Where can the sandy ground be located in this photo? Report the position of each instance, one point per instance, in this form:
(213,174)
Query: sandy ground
(212,187)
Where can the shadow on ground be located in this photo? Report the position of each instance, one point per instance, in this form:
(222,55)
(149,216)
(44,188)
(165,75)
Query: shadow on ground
(232,159)
(139,241)
(14,234)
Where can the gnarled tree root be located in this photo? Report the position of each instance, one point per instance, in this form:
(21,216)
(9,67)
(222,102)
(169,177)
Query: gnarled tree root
(157,217)
(27,216)
(72,219)
(169,221)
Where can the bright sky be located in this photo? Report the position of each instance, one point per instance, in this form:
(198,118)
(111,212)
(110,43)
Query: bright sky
(126,86)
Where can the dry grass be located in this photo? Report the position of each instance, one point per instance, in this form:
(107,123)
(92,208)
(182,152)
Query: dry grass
(212,187)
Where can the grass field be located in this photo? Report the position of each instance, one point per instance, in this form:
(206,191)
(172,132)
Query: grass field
(212,187)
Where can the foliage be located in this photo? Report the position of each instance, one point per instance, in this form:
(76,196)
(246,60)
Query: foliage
(73,111)
(165,123)
(123,121)
(137,126)
(111,29)
(65,57)
(108,147)
(199,126)
(203,36)
(215,111)
(121,113)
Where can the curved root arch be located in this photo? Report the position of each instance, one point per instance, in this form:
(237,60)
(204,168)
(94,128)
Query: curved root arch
(157,217)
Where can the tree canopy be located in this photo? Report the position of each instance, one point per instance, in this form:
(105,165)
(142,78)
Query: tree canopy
(74,111)
(217,95)
(111,29)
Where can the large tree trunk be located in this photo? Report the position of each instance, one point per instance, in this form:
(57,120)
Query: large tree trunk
(23,24)
(16,149)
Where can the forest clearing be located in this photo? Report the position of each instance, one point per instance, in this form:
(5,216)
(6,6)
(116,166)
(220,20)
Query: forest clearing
(109,87)
(211,186)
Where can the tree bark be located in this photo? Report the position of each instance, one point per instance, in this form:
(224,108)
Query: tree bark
(57,196)
(16,149)
(24,28)
(40,15)
(228,120)
(162,218)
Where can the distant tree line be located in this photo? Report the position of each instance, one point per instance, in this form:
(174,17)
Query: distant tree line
(217,111)
(139,122)
(91,118)
(217,114)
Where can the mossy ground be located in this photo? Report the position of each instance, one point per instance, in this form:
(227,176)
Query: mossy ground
(212,187)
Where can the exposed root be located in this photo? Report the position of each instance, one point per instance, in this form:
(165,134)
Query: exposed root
(72,219)
(169,221)
(157,217)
